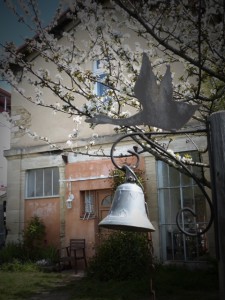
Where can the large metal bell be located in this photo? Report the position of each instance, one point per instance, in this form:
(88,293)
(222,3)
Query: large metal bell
(128,211)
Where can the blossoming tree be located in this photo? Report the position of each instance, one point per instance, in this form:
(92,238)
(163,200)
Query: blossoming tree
(186,34)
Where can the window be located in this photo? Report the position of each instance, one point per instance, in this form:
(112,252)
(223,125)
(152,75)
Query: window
(88,204)
(176,191)
(42,183)
(107,201)
(100,89)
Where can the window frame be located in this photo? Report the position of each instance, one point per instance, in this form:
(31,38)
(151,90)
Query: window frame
(170,236)
(97,87)
(43,183)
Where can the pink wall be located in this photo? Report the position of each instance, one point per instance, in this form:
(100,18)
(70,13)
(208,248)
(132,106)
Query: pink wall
(75,227)
(48,210)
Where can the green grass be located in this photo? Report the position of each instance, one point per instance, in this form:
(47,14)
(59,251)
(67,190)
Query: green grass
(113,290)
(20,285)
(169,283)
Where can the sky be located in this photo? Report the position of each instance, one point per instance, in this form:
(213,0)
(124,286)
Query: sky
(12,30)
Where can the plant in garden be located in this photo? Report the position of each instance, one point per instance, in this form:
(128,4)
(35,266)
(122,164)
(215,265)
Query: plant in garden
(34,233)
(34,242)
(121,256)
(34,239)
(11,251)
(16,265)
(31,249)
(185,34)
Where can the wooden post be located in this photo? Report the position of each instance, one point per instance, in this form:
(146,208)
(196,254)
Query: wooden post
(217,165)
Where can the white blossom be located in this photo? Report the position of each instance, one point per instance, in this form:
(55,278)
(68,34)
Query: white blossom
(69,143)
(77,119)
(59,77)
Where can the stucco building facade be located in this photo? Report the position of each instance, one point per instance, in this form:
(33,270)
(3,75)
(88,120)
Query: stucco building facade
(41,179)
(5,110)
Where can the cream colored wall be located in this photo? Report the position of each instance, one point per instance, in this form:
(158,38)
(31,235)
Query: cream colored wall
(19,161)
(43,121)
(15,203)
(4,145)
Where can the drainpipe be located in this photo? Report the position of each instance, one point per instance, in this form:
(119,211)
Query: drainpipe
(20,195)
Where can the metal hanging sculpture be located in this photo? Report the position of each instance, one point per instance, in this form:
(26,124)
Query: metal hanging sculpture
(161,111)
(158,107)
(122,213)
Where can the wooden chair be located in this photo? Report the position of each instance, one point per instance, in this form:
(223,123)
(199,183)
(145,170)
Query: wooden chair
(76,250)
(68,256)
(65,261)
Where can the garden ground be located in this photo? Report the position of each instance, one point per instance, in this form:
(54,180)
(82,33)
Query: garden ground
(169,283)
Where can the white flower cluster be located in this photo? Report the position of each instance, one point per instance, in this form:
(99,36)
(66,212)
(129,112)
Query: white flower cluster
(92,141)
(38,96)
(185,159)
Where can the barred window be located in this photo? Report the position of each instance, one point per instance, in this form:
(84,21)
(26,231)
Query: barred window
(88,206)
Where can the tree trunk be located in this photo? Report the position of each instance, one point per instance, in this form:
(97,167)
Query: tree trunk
(217,164)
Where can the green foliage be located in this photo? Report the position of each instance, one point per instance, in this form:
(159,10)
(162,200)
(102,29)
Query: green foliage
(34,233)
(18,252)
(50,253)
(21,285)
(32,248)
(17,266)
(214,89)
(121,256)
(12,251)
(34,239)
(47,252)
(119,177)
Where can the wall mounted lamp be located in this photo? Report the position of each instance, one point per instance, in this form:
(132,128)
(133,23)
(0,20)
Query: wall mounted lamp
(69,201)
